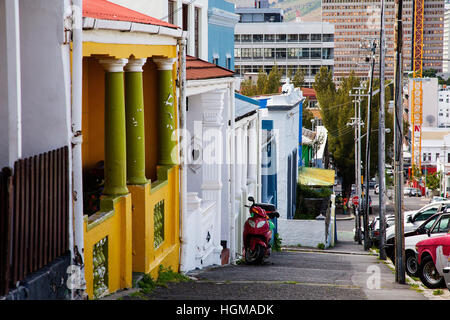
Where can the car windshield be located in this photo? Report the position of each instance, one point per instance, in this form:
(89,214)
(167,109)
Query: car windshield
(424,215)
(427,225)
(443,225)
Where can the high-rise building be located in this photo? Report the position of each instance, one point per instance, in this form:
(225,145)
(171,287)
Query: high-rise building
(358,21)
(262,40)
(446,49)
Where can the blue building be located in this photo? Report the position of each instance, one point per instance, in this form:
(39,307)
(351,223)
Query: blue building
(221,22)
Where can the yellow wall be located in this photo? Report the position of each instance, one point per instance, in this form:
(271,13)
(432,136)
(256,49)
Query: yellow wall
(147,258)
(93,117)
(116,224)
(130,235)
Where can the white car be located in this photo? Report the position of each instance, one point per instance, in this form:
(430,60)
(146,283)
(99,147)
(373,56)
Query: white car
(436,226)
(414,218)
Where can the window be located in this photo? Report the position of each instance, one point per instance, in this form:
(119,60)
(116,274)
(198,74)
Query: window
(303,37)
(269,38)
(424,215)
(293,53)
(281,38)
(246,53)
(246,38)
(280,53)
(316,37)
(327,53)
(442,226)
(316,53)
(237,38)
(216,61)
(171,11)
(448,157)
(304,53)
(197,31)
(228,63)
(258,38)
(269,53)
(257,53)
(237,52)
(292,37)
(437,156)
(328,37)
(185,10)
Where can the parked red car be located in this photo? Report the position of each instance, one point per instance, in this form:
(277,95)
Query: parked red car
(433,256)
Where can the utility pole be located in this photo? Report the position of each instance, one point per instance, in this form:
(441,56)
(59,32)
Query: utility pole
(400,276)
(381,141)
(367,164)
(358,123)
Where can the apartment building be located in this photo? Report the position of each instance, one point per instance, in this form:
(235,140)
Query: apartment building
(263,40)
(357,22)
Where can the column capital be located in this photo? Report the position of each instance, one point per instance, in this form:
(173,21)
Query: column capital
(164,63)
(135,65)
(113,65)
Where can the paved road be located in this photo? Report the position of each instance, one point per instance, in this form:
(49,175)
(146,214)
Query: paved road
(296,275)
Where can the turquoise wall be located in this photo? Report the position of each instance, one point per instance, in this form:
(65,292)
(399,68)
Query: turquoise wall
(220,38)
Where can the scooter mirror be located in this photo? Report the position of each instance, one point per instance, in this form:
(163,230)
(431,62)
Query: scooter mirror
(251,199)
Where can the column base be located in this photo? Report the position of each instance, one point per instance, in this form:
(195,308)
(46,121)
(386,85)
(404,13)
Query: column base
(115,191)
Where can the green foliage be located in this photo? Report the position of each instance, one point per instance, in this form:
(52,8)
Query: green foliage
(433,180)
(273,81)
(298,79)
(337,108)
(165,275)
(438,292)
(265,84)
(302,211)
(307,116)
(277,243)
(321,246)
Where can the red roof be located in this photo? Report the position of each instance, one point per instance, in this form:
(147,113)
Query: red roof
(103,9)
(309,92)
(197,69)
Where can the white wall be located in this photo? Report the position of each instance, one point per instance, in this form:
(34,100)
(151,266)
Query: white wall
(429,103)
(307,233)
(159,9)
(286,127)
(45,68)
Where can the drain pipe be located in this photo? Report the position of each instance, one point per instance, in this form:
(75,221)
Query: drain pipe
(182,137)
(231,114)
(76,140)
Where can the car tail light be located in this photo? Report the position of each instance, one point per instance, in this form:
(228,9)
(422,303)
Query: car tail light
(376,233)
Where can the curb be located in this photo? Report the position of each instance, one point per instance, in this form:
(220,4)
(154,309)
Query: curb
(346,218)
(313,250)
(427,293)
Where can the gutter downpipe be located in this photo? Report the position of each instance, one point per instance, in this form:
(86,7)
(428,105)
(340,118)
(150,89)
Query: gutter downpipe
(77,248)
(231,114)
(182,136)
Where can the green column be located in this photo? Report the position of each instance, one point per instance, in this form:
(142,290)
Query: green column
(166,113)
(115,136)
(134,102)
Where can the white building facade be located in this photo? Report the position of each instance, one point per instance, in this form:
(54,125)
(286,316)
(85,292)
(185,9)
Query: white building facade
(292,46)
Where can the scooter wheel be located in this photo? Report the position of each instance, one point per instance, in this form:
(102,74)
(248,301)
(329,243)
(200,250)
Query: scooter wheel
(254,256)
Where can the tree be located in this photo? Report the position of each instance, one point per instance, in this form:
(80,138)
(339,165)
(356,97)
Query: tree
(337,109)
(307,116)
(299,79)
(433,181)
(273,80)
(262,81)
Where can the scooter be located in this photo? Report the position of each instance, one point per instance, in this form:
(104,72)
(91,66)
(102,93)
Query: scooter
(258,231)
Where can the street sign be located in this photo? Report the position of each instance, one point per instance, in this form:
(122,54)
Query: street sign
(355,200)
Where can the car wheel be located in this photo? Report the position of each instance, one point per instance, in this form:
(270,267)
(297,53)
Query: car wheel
(428,274)
(411,264)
